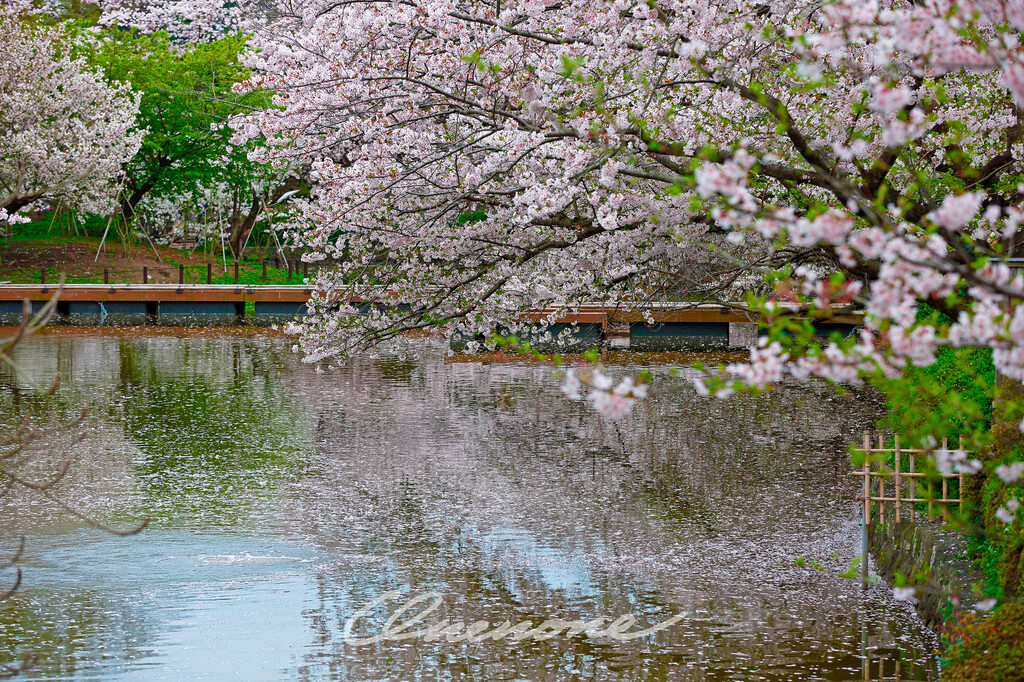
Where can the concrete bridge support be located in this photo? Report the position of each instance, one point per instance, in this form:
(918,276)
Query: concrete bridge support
(742,334)
(200,312)
(277,312)
(108,312)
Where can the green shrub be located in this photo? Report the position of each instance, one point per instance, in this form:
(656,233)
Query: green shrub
(954,397)
(987,649)
(949,398)
(998,553)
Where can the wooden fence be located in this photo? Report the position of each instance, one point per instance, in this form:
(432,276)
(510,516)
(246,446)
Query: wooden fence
(899,487)
(894,670)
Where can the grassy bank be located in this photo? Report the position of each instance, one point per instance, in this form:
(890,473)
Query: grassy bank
(51,249)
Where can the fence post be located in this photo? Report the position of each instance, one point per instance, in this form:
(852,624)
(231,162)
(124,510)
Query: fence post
(896,457)
(42,277)
(209,273)
(867,513)
(236,272)
(181,273)
(264,270)
(106,276)
(960,492)
(931,498)
(145,274)
(945,485)
(913,489)
(881,487)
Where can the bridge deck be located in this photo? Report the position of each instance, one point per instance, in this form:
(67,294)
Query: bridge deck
(597,313)
(154,293)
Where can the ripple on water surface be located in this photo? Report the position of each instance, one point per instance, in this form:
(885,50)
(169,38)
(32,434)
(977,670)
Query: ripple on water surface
(283,500)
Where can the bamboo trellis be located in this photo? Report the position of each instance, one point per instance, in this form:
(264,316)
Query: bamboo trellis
(898,674)
(901,481)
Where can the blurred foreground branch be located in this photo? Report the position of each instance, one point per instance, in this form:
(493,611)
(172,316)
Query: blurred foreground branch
(15,455)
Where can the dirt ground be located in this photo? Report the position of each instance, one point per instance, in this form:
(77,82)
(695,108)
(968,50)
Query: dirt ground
(23,262)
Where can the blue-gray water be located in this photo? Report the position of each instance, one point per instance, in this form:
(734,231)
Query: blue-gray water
(283,500)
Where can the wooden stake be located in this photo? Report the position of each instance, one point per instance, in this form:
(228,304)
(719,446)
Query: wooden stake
(913,490)
(881,489)
(867,479)
(896,456)
(960,492)
(945,484)
(867,514)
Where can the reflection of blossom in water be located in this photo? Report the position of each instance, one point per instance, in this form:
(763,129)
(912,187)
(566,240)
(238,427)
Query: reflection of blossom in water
(246,557)
(481,482)
(612,403)
(518,550)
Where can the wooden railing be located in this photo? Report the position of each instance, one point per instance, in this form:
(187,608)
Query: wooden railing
(899,487)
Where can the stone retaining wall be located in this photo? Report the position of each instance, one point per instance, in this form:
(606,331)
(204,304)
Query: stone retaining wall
(923,548)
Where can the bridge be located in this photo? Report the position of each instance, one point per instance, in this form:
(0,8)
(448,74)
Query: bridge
(156,300)
(648,326)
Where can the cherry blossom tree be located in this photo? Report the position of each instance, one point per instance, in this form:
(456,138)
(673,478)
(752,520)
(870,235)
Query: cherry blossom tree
(64,132)
(475,159)
(186,158)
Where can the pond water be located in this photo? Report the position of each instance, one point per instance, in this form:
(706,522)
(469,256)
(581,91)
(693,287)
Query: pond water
(283,500)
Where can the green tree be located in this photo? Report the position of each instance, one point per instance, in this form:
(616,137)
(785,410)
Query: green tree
(186,108)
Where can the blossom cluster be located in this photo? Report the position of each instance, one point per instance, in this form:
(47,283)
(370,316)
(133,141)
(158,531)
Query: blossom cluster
(64,132)
(474,161)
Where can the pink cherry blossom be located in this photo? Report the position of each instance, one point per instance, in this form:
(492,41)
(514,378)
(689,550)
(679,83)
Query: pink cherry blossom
(1010,473)
(64,132)
(905,594)
(1008,513)
(957,210)
(476,161)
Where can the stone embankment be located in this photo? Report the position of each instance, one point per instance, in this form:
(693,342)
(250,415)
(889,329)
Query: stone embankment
(919,549)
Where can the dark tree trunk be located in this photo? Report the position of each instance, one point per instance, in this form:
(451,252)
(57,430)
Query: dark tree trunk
(137,193)
(129,202)
(21,202)
(241,225)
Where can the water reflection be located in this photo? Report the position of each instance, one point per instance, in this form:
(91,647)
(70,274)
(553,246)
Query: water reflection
(284,500)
